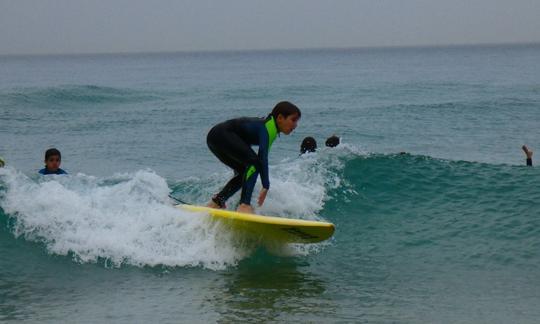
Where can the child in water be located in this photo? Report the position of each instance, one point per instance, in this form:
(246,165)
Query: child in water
(231,143)
(53,158)
(309,145)
(332,141)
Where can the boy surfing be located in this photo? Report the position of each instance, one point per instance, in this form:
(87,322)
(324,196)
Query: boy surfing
(231,142)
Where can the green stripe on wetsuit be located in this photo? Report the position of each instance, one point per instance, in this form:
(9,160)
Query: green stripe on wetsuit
(272,131)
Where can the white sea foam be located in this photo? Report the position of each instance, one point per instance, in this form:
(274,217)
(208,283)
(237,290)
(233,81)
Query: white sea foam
(299,186)
(128,218)
(125,219)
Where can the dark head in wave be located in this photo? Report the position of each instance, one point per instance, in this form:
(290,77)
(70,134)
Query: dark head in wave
(332,141)
(309,144)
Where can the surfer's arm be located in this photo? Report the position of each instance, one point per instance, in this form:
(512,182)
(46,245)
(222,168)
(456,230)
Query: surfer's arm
(263,157)
(528,153)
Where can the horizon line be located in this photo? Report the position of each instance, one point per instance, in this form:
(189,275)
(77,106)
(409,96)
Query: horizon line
(296,49)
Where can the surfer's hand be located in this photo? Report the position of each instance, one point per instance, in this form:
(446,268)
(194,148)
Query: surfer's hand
(262,196)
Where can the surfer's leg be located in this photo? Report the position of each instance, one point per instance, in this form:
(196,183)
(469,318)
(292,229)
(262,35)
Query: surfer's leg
(234,184)
(232,151)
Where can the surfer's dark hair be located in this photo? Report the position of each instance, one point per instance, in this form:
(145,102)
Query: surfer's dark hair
(285,109)
(52,152)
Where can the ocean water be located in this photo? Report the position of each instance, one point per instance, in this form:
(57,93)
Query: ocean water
(437,217)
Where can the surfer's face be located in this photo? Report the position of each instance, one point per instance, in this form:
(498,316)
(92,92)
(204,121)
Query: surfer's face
(52,163)
(287,124)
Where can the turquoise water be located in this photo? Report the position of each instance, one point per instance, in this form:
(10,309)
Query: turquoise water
(448,232)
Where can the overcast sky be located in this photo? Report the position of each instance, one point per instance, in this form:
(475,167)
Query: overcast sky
(96,26)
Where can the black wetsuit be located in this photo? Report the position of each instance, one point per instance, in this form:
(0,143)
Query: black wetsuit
(231,143)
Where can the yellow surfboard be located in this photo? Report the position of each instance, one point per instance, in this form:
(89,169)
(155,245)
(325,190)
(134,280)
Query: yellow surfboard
(284,230)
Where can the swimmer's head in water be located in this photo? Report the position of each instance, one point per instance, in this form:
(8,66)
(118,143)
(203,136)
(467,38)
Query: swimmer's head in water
(309,144)
(332,141)
(53,158)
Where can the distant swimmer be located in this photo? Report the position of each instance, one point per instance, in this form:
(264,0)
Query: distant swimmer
(528,154)
(231,142)
(2,162)
(332,141)
(53,159)
(309,145)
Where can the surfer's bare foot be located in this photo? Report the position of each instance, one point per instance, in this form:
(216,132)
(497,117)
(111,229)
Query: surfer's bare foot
(218,202)
(245,208)
(212,204)
(528,152)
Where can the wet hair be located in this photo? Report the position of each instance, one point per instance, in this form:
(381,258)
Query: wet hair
(332,141)
(309,144)
(52,152)
(285,109)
